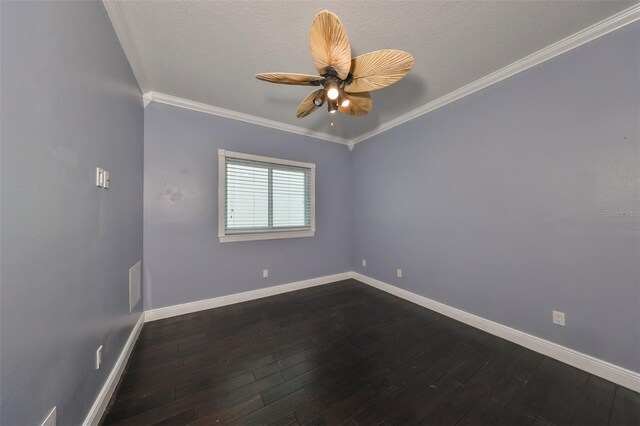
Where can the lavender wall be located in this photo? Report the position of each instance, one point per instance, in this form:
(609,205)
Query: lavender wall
(184,261)
(497,204)
(69,103)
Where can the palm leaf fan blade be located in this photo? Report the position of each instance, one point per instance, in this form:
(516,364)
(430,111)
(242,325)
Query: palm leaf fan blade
(307,106)
(290,78)
(329,44)
(378,69)
(359,104)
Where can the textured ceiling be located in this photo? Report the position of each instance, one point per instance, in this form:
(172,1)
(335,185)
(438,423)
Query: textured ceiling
(209,51)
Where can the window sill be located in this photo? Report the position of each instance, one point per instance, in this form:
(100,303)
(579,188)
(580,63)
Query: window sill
(265,236)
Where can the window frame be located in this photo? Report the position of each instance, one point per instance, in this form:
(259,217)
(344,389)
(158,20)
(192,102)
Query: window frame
(261,235)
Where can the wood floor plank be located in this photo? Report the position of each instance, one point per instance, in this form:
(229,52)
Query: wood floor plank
(626,407)
(472,361)
(385,394)
(273,394)
(362,399)
(534,394)
(306,412)
(125,406)
(211,405)
(207,401)
(416,406)
(182,418)
(282,408)
(226,415)
(224,384)
(596,402)
(285,363)
(463,399)
(564,397)
(495,402)
(346,353)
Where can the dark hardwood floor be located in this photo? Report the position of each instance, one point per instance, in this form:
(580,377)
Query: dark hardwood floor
(346,353)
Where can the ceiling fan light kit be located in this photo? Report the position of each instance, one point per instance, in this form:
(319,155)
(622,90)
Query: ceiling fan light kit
(318,100)
(332,90)
(346,81)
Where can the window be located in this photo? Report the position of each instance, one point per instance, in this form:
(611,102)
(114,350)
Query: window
(262,198)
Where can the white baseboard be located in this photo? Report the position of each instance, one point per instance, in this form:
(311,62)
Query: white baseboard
(598,367)
(595,366)
(103,398)
(216,302)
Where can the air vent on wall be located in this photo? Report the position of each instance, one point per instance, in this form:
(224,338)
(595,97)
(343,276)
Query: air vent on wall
(134,286)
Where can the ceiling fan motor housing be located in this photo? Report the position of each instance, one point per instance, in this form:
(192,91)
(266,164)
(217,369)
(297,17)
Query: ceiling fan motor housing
(330,75)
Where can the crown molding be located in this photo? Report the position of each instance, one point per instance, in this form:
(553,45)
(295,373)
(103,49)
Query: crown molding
(235,115)
(147,98)
(586,35)
(123,32)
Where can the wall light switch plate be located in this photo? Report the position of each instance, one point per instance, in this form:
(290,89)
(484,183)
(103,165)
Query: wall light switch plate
(399,273)
(52,418)
(103,178)
(265,273)
(364,262)
(99,177)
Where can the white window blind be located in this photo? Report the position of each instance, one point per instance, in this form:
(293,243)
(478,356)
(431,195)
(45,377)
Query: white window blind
(265,197)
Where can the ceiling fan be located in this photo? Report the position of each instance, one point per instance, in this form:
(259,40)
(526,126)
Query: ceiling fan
(346,82)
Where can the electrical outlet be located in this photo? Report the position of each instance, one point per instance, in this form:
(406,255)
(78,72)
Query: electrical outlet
(399,273)
(364,262)
(99,357)
(52,418)
(265,273)
(558,318)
